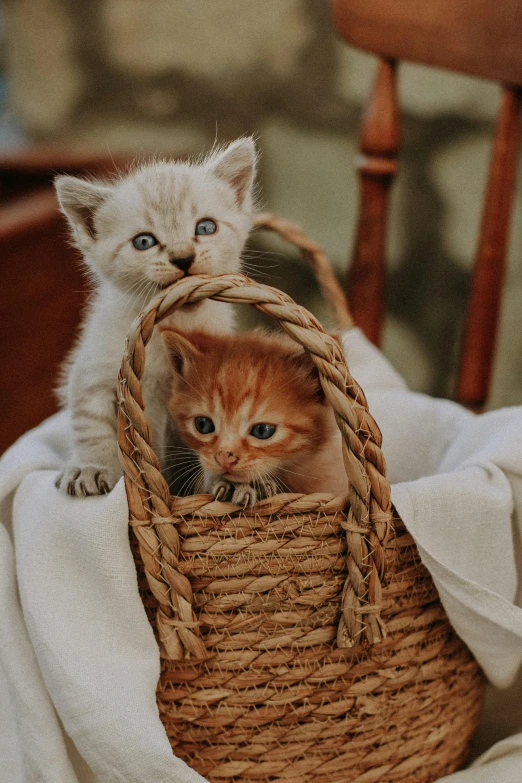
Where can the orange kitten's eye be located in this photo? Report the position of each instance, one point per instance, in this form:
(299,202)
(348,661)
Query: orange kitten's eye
(206,226)
(204,425)
(263,431)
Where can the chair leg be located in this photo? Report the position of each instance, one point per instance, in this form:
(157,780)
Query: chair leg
(478,344)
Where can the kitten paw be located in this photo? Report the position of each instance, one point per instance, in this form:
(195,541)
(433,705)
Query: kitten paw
(270,488)
(245,495)
(221,490)
(89,480)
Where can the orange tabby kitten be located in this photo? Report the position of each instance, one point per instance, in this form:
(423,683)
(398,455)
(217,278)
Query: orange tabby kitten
(252,409)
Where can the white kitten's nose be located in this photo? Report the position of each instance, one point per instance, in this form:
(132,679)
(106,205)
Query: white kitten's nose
(183,263)
(182,256)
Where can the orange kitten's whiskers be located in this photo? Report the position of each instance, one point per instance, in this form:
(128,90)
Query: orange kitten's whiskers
(277,480)
(191,482)
(295,473)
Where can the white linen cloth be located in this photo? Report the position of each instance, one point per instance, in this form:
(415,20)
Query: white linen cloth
(78,660)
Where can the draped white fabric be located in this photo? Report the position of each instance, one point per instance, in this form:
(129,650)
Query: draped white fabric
(78,661)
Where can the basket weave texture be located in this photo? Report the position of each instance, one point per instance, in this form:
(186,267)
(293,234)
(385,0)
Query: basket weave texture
(301,640)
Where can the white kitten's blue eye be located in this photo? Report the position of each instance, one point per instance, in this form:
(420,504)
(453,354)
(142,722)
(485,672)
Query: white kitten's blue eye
(263,431)
(206,226)
(144,241)
(204,425)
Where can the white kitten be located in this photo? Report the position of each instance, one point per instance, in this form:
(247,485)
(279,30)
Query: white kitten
(137,235)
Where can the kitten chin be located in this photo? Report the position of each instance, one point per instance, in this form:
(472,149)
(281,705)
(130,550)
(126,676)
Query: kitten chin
(138,233)
(251,409)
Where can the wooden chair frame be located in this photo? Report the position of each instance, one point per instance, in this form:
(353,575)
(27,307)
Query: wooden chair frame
(477,38)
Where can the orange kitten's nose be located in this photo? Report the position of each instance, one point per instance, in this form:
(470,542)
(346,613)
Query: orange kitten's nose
(226,459)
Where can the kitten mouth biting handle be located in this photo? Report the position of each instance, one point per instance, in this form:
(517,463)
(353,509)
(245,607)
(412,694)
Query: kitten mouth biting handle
(183,265)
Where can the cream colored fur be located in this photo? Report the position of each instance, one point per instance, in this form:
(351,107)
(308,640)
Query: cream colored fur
(165,199)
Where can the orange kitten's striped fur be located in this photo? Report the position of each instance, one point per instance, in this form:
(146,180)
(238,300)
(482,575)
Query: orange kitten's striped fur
(230,392)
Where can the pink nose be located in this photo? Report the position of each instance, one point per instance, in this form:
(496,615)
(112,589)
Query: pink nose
(226,459)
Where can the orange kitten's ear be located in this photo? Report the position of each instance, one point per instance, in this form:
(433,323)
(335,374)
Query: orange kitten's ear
(79,201)
(237,166)
(311,374)
(181,349)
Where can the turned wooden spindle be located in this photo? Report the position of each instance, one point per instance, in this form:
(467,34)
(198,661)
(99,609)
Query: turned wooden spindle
(379,142)
(478,344)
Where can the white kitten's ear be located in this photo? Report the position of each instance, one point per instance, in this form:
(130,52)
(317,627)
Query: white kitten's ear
(79,201)
(181,349)
(237,166)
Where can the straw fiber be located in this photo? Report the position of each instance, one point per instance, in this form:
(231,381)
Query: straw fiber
(302,641)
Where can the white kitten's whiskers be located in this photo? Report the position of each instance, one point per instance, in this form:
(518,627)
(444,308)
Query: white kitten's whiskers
(164,200)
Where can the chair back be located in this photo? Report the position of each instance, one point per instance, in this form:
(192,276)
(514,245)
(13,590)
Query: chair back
(475,37)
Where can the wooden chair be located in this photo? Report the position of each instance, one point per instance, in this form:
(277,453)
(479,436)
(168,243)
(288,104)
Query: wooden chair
(475,37)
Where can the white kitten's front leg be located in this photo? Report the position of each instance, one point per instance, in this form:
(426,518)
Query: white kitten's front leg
(94,467)
(88,480)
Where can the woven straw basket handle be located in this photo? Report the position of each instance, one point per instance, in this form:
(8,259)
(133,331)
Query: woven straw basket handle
(369,512)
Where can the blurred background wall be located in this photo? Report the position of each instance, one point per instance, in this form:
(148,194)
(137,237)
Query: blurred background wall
(172,76)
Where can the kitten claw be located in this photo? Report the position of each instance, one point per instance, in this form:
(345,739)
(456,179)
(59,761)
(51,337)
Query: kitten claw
(245,495)
(270,488)
(104,487)
(87,481)
(221,490)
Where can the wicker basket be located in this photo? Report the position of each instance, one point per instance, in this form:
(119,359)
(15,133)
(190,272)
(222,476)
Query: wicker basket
(303,640)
